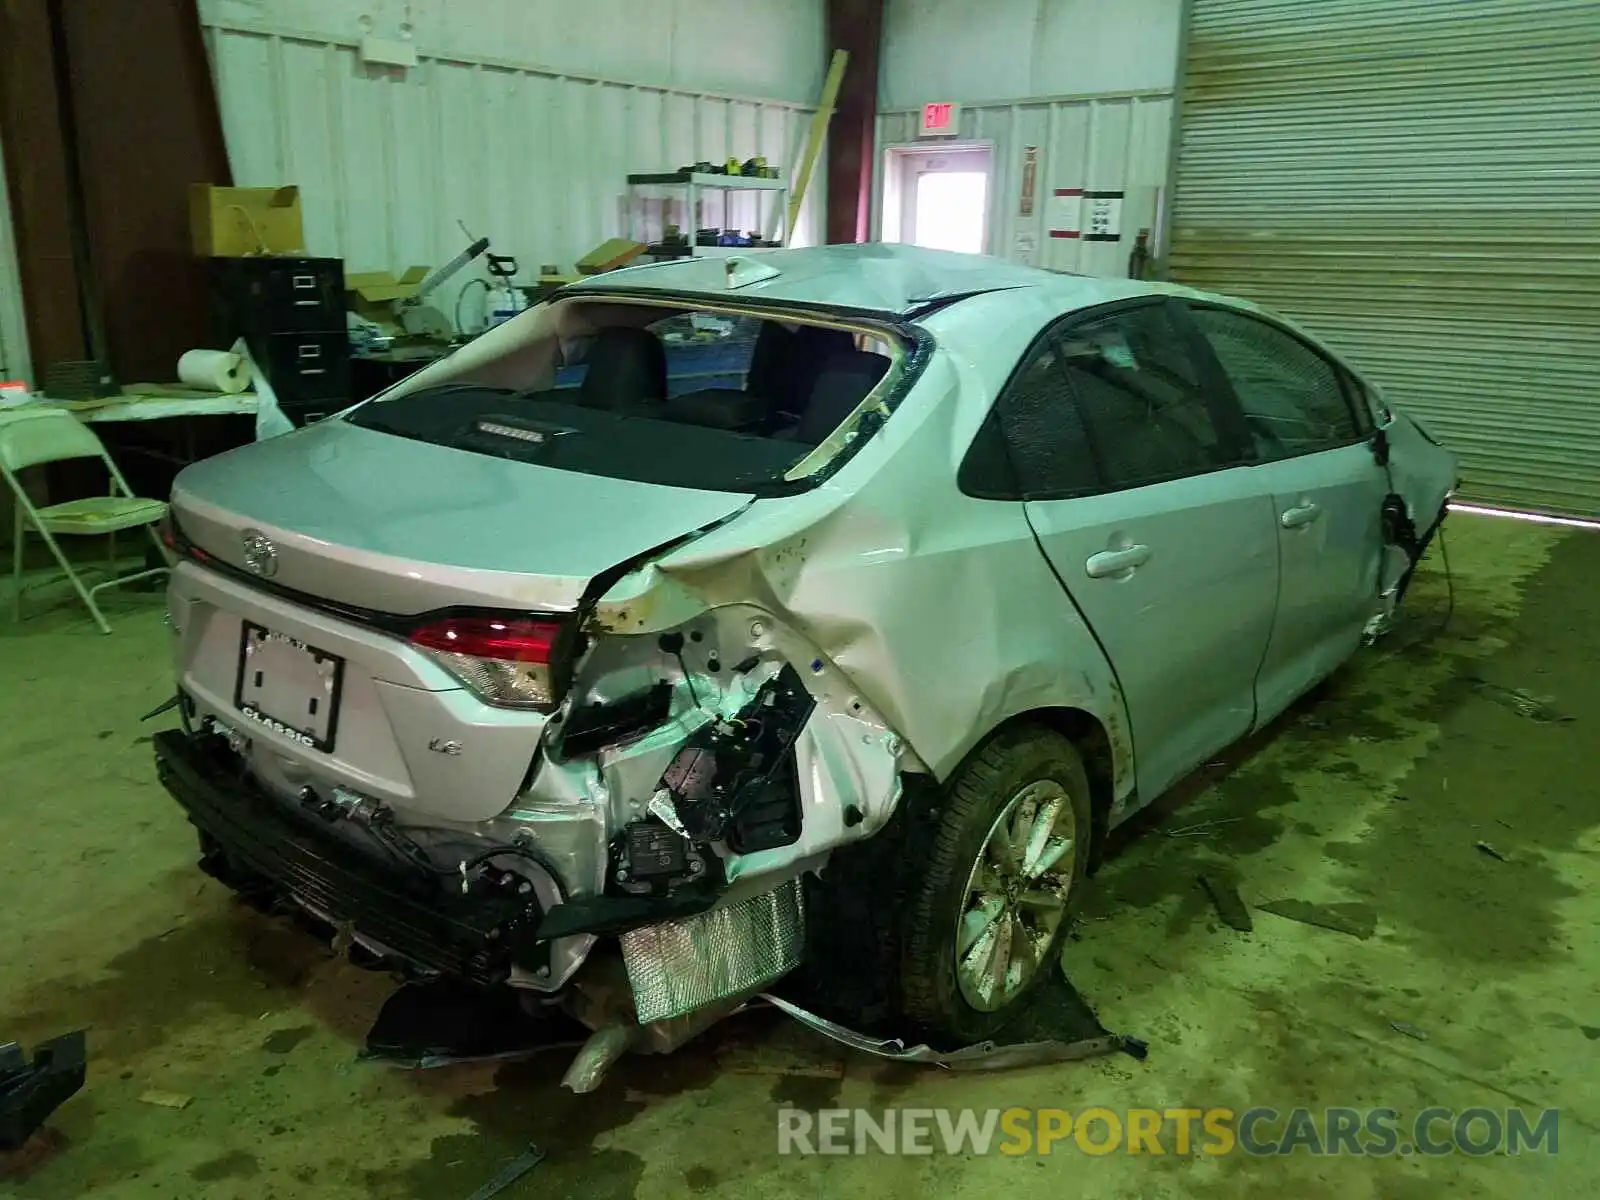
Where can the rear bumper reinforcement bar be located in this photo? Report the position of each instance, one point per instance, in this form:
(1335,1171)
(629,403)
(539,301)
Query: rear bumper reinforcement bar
(251,838)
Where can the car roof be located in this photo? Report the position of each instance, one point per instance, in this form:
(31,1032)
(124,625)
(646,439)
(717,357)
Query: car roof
(878,277)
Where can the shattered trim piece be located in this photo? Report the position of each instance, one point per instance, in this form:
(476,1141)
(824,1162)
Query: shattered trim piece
(984,1056)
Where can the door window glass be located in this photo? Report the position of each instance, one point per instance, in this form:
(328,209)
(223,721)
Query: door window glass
(1292,398)
(1143,405)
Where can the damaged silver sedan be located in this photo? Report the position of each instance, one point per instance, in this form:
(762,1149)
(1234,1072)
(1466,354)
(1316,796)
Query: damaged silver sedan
(813,613)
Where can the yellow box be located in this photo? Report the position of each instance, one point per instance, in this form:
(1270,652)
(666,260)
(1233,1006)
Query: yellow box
(232,222)
(609,255)
(374,294)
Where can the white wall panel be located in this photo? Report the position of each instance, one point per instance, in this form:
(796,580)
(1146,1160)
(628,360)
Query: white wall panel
(981,51)
(530,151)
(1110,143)
(744,47)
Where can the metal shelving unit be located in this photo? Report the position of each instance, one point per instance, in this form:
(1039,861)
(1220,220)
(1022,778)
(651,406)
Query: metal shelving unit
(692,190)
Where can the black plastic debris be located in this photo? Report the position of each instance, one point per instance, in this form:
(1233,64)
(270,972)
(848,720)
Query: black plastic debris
(30,1092)
(438,1023)
(1230,907)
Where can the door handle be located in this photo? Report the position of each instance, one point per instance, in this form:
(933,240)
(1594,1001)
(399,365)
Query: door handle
(1300,514)
(1116,562)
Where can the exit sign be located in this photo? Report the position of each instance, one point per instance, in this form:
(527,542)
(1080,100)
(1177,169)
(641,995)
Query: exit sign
(941,120)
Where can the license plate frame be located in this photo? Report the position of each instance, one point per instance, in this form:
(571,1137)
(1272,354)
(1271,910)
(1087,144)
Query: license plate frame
(323,670)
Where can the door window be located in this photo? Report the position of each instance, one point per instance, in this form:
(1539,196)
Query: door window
(1293,399)
(1144,408)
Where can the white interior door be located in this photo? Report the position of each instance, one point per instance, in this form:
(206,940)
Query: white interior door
(944,199)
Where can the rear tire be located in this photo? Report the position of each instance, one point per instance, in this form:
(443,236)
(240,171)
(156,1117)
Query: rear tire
(1008,852)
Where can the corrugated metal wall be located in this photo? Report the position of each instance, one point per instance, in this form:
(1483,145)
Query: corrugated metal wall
(1420,183)
(994,51)
(389,160)
(1095,143)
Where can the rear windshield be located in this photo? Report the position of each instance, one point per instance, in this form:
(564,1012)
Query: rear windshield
(696,400)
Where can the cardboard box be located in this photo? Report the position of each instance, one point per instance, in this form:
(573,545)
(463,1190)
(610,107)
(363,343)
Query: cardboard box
(609,255)
(235,222)
(374,294)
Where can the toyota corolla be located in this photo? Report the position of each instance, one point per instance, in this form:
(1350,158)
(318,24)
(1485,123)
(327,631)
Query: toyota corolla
(813,611)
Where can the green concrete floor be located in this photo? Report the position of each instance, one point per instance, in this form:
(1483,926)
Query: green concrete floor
(1372,795)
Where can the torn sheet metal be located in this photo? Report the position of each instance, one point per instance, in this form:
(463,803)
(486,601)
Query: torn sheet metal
(985,1056)
(993,635)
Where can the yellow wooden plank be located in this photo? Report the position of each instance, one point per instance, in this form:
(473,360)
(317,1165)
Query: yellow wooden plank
(814,138)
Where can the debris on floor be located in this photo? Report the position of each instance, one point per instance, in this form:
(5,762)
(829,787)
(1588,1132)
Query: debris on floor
(1201,828)
(439,1023)
(514,1170)
(160,1099)
(1408,1030)
(1229,906)
(1519,701)
(1055,1026)
(1357,920)
(1486,848)
(31,1091)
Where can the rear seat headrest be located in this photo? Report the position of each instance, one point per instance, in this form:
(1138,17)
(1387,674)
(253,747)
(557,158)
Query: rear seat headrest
(627,369)
(844,381)
(785,363)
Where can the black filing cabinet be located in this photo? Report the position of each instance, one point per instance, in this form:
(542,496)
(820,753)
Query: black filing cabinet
(290,312)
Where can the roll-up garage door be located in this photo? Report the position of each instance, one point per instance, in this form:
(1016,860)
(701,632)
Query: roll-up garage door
(1419,183)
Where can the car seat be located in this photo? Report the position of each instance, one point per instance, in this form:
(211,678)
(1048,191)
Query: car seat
(627,371)
(842,383)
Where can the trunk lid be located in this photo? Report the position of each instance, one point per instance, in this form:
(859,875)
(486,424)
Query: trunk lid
(370,520)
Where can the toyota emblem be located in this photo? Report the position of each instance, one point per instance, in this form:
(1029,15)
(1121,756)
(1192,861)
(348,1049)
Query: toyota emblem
(260,555)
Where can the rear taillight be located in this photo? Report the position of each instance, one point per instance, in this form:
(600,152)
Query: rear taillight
(511,661)
(179,546)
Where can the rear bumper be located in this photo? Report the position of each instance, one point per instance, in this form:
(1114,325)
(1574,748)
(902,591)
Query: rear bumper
(252,839)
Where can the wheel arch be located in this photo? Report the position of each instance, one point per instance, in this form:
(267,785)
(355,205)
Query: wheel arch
(1095,744)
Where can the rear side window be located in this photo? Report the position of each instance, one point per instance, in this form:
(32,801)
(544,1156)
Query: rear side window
(1293,399)
(1033,443)
(1144,407)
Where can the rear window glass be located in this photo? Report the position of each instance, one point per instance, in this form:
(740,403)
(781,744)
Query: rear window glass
(694,399)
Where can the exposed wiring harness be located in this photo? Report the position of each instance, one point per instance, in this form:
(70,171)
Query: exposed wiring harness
(1450,599)
(398,843)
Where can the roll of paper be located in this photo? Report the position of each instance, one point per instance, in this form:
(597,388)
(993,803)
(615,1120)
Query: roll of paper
(218,370)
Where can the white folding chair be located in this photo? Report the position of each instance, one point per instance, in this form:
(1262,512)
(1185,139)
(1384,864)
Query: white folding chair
(43,435)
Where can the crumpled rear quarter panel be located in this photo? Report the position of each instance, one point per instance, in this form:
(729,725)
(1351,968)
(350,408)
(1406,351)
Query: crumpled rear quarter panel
(938,606)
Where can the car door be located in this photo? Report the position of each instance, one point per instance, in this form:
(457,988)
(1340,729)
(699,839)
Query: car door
(1131,476)
(1312,438)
